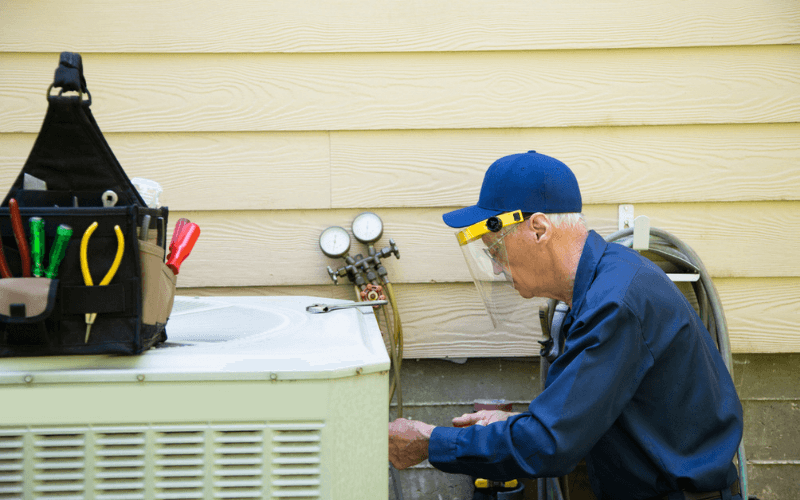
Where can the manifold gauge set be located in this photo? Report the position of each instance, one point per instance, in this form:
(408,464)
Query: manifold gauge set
(364,271)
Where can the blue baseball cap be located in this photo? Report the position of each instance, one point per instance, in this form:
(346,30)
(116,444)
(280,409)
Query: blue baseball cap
(530,182)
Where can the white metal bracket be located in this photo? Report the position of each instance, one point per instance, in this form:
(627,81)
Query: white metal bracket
(641,237)
(625,216)
(640,225)
(641,233)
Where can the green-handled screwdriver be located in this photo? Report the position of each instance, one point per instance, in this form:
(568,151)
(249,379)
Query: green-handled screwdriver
(57,251)
(37,246)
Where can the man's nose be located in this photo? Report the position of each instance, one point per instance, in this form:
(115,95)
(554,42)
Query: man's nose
(497,268)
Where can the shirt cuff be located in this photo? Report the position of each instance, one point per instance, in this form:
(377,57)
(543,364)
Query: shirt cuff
(442,445)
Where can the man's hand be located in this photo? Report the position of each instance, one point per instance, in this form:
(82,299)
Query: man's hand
(408,442)
(483,417)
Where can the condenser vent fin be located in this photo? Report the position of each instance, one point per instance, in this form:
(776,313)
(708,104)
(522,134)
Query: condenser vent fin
(11,464)
(180,457)
(296,457)
(59,461)
(239,465)
(119,463)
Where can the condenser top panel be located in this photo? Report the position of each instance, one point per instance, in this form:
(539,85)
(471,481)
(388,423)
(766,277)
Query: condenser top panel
(231,338)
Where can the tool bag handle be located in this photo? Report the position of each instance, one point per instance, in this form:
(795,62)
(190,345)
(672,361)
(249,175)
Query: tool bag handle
(70,151)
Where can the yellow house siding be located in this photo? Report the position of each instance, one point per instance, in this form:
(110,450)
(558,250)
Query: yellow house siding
(432,90)
(268,121)
(182,26)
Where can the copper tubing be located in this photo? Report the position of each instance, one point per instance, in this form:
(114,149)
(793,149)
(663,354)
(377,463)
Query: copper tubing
(19,235)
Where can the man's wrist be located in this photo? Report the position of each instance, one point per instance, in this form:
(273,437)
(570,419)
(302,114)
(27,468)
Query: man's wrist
(426,430)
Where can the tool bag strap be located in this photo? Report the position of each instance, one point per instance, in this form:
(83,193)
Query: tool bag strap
(70,151)
(69,74)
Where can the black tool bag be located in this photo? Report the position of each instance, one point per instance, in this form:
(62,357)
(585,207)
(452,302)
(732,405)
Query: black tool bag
(48,316)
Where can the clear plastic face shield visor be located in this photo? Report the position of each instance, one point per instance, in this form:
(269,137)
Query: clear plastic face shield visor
(483,245)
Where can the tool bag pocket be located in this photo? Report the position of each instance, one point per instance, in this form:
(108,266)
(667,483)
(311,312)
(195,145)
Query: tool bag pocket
(25,307)
(72,178)
(158,285)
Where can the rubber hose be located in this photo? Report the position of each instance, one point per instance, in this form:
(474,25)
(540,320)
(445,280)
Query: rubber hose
(709,305)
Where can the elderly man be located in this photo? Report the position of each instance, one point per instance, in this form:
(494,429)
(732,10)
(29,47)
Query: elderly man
(640,391)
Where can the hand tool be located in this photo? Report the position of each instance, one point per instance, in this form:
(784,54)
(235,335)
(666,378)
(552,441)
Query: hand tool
(109,198)
(5,272)
(323,308)
(144,232)
(19,235)
(183,246)
(37,246)
(87,277)
(32,183)
(177,232)
(57,251)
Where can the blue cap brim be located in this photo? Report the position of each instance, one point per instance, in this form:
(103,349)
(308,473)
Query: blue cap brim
(468,216)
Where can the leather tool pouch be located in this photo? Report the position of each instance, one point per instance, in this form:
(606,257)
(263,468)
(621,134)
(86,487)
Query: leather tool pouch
(42,316)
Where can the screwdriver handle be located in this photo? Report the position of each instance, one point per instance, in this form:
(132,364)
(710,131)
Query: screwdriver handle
(37,246)
(5,272)
(19,235)
(57,251)
(183,246)
(176,234)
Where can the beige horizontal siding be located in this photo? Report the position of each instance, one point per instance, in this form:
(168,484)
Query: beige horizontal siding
(612,164)
(448,319)
(388,25)
(205,171)
(270,248)
(386,169)
(436,90)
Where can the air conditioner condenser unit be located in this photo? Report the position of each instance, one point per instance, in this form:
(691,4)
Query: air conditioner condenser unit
(251,397)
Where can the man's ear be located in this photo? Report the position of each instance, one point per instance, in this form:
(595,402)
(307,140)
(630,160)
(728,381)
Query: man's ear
(541,226)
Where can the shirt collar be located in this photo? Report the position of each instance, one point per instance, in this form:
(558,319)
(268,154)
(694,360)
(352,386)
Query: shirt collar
(587,265)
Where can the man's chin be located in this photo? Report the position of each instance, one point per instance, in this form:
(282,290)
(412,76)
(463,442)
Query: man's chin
(523,293)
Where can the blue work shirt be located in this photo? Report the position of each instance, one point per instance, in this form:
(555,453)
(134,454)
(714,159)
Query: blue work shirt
(640,391)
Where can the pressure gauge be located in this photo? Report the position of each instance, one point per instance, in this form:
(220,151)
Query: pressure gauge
(334,242)
(367,227)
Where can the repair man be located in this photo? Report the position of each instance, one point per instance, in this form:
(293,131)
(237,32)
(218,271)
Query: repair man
(640,391)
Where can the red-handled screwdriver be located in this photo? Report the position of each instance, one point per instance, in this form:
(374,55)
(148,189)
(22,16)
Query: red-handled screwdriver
(177,233)
(19,235)
(183,245)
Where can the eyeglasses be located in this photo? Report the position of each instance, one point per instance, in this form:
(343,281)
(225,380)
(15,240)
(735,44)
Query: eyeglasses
(493,249)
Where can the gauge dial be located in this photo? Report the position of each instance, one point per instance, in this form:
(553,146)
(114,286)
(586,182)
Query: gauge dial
(334,242)
(367,227)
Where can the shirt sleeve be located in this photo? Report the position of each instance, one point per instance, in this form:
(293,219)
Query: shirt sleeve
(588,386)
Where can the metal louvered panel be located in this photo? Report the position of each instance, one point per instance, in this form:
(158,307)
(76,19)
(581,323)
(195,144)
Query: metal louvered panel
(119,463)
(179,462)
(296,449)
(11,464)
(59,459)
(239,466)
(169,462)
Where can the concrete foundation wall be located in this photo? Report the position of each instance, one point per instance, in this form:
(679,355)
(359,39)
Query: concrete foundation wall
(435,391)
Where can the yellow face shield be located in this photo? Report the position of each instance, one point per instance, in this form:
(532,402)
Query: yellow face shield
(484,249)
(491,225)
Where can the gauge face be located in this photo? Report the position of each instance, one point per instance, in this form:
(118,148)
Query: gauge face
(334,241)
(367,227)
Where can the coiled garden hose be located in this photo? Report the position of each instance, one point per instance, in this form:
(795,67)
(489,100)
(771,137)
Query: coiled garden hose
(683,257)
(676,257)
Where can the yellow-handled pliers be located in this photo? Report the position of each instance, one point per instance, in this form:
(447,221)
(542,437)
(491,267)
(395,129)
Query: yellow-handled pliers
(87,277)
